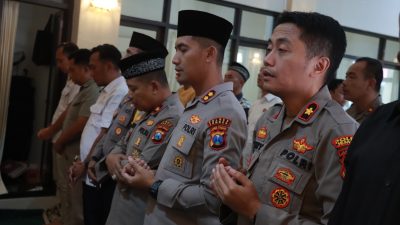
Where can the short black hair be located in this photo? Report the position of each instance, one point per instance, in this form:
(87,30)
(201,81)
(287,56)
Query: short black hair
(81,57)
(206,42)
(321,34)
(68,48)
(373,70)
(334,84)
(158,75)
(109,53)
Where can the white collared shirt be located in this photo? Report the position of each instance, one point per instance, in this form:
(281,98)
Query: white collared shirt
(102,114)
(68,94)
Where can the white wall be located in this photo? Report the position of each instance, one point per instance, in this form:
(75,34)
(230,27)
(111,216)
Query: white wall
(94,26)
(272,5)
(368,15)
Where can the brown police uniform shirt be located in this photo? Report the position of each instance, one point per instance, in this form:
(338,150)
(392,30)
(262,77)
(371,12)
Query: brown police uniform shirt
(123,120)
(212,126)
(298,168)
(360,116)
(148,141)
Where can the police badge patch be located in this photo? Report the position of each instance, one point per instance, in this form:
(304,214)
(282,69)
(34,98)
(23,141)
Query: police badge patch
(280,198)
(301,145)
(262,133)
(341,144)
(218,131)
(161,130)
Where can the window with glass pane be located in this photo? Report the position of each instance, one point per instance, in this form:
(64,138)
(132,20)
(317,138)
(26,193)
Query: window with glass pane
(362,45)
(170,67)
(256,25)
(125,34)
(252,59)
(390,85)
(222,11)
(146,9)
(344,65)
(391,49)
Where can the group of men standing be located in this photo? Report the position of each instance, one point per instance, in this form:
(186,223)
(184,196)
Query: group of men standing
(146,159)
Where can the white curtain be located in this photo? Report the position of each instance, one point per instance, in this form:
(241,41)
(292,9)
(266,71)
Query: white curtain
(7,38)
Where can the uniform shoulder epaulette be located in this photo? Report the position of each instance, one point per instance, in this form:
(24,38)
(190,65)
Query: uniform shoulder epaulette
(207,97)
(309,111)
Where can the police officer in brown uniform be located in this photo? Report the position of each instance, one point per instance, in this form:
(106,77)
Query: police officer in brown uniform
(213,125)
(151,94)
(297,165)
(124,117)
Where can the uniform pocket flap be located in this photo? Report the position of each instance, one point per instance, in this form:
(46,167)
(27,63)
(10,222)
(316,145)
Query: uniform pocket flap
(289,176)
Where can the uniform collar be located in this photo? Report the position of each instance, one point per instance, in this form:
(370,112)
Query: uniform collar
(270,97)
(87,84)
(170,100)
(239,96)
(310,111)
(113,84)
(210,94)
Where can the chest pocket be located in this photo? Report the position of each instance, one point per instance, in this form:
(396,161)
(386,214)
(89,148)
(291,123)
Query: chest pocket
(96,111)
(138,140)
(181,160)
(284,185)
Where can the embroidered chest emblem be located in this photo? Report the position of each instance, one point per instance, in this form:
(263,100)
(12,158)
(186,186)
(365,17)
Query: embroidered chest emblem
(149,122)
(341,144)
(262,133)
(181,141)
(301,146)
(121,119)
(161,131)
(179,161)
(218,132)
(195,119)
(285,175)
(280,198)
(118,131)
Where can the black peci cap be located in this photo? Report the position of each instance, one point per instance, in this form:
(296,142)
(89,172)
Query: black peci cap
(146,43)
(142,63)
(240,69)
(202,24)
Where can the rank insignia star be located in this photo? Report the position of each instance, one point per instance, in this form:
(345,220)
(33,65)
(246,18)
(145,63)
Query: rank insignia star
(301,146)
(208,96)
(280,198)
(309,112)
